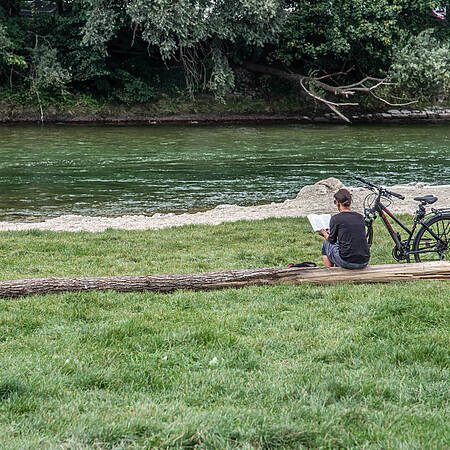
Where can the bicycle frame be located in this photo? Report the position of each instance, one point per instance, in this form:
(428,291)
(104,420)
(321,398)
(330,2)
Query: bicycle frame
(404,246)
(432,243)
(382,211)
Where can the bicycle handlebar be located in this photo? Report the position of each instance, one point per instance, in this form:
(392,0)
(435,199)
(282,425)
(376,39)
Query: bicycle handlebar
(363,180)
(400,196)
(383,190)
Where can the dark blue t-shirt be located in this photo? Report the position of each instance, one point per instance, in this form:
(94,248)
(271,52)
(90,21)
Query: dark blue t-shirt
(348,230)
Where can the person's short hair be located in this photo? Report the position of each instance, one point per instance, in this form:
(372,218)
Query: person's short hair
(344,197)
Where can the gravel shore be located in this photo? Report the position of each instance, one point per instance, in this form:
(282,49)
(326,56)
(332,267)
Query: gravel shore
(317,198)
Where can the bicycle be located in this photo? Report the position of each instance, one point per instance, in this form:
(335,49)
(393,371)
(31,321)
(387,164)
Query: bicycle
(430,243)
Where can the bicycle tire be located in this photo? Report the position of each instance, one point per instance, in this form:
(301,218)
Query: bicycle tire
(440,225)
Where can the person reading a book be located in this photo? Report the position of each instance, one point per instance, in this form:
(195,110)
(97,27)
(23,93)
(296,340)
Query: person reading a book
(345,241)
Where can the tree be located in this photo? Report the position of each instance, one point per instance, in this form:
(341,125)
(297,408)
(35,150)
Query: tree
(336,49)
(196,32)
(329,46)
(385,273)
(332,50)
(5,43)
(46,72)
(8,58)
(422,66)
(327,35)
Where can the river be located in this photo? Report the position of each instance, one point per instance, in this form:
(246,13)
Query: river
(112,170)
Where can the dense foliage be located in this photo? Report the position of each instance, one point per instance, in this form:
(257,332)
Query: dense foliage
(423,65)
(134,50)
(323,34)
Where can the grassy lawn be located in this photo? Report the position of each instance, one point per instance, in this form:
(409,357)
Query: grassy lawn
(361,366)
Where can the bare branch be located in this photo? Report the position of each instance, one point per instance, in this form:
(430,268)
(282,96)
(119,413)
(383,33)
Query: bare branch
(330,105)
(323,77)
(134,34)
(321,99)
(372,88)
(331,75)
(367,85)
(391,104)
(361,82)
(336,111)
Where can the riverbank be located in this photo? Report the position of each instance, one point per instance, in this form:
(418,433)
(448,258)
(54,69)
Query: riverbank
(394,116)
(317,198)
(204,109)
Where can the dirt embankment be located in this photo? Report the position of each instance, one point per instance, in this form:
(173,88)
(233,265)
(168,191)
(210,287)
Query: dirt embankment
(317,198)
(392,116)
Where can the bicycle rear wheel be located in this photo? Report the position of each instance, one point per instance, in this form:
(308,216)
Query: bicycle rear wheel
(426,246)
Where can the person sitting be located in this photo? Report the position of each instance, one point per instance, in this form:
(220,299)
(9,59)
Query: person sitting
(345,242)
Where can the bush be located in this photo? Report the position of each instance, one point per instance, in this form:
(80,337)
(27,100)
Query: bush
(422,66)
(135,91)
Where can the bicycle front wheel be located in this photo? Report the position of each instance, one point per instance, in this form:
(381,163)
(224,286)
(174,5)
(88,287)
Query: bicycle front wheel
(432,241)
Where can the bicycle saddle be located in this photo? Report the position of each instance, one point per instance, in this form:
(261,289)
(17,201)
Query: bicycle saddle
(430,199)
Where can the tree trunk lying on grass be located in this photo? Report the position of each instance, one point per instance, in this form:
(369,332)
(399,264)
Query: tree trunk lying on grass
(228,279)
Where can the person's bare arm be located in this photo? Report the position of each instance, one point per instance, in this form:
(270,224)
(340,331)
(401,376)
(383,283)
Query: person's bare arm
(324,233)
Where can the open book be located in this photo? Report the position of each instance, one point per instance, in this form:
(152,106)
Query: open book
(319,221)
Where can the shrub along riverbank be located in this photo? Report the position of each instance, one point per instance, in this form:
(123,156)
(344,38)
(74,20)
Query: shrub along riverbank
(206,109)
(281,366)
(87,109)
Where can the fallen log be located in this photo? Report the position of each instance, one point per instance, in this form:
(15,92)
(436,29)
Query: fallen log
(228,279)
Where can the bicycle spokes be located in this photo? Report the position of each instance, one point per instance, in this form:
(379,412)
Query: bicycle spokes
(433,244)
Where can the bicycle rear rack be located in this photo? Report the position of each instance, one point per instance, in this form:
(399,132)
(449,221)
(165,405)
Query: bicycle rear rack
(440,211)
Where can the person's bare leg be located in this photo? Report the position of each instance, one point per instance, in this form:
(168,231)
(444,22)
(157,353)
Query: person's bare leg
(326,261)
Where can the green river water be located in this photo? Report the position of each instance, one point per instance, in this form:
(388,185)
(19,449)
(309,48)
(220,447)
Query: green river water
(110,170)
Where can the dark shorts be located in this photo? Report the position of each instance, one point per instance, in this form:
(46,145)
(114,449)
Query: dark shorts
(332,251)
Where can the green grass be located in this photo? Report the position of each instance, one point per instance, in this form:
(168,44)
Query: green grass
(361,366)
